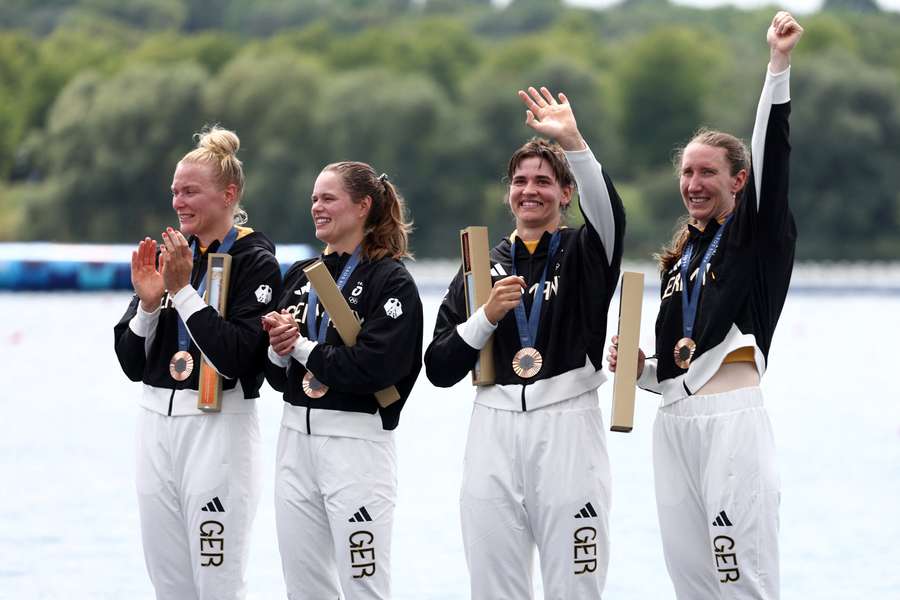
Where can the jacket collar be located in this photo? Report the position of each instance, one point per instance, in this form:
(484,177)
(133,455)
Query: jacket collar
(517,245)
(707,232)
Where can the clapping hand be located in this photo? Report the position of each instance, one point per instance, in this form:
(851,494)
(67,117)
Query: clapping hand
(146,279)
(176,261)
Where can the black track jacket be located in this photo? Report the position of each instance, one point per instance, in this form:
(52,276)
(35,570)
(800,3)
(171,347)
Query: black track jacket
(580,282)
(234,345)
(388,350)
(747,280)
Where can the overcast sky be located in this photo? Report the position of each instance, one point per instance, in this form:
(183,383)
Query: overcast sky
(799,6)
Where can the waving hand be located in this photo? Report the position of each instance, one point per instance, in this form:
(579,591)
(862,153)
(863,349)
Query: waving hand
(552,117)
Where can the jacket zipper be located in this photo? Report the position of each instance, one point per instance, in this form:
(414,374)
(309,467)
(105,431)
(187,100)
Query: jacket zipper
(524,408)
(171,400)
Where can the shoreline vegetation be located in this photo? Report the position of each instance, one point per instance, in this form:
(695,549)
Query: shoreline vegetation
(809,277)
(98,99)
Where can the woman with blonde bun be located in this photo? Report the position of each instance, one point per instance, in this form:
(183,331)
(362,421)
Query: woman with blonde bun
(198,474)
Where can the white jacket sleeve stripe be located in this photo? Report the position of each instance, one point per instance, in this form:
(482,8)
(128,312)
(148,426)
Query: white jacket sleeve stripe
(594,197)
(776,90)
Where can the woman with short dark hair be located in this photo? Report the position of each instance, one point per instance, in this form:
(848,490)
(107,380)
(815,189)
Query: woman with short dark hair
(536,471)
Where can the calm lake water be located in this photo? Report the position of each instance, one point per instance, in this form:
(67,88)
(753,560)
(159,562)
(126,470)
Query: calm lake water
(68,512)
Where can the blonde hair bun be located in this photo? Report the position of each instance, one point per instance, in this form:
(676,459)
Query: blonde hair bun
(219,141)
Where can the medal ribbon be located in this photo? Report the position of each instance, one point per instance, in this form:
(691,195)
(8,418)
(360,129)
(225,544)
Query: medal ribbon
(184,340)
(528,328)
(312,302)
(690,305)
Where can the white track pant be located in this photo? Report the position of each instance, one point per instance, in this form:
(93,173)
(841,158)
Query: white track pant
(198,483)
(537,478)
(717,494)
(334,511)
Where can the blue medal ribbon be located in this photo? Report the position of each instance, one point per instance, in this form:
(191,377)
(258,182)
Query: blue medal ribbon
(690,303)
(528,327)
(184,339)
(312,302)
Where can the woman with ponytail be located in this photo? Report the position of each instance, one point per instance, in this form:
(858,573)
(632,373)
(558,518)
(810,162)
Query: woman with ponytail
(335,478)
(725,277)
(198,472)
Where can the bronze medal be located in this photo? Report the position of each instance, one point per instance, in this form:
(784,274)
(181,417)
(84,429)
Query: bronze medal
(684,352)
(312,387)
(181,366)
(527,363)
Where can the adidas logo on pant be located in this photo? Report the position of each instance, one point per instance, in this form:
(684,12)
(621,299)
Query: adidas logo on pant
(361,516)
(586,512)
(584,548)
(212,536)
(721,520)
(362,546)
(214,505)
(725,552)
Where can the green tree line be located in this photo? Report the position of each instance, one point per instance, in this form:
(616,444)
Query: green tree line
(98,100)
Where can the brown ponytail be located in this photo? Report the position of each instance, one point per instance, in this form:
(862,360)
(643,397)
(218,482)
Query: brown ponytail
(738,159)
(387,228)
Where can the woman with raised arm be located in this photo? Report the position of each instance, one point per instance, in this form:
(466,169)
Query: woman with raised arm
(536,467)
(725,277)
(198,473)
(336,467)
